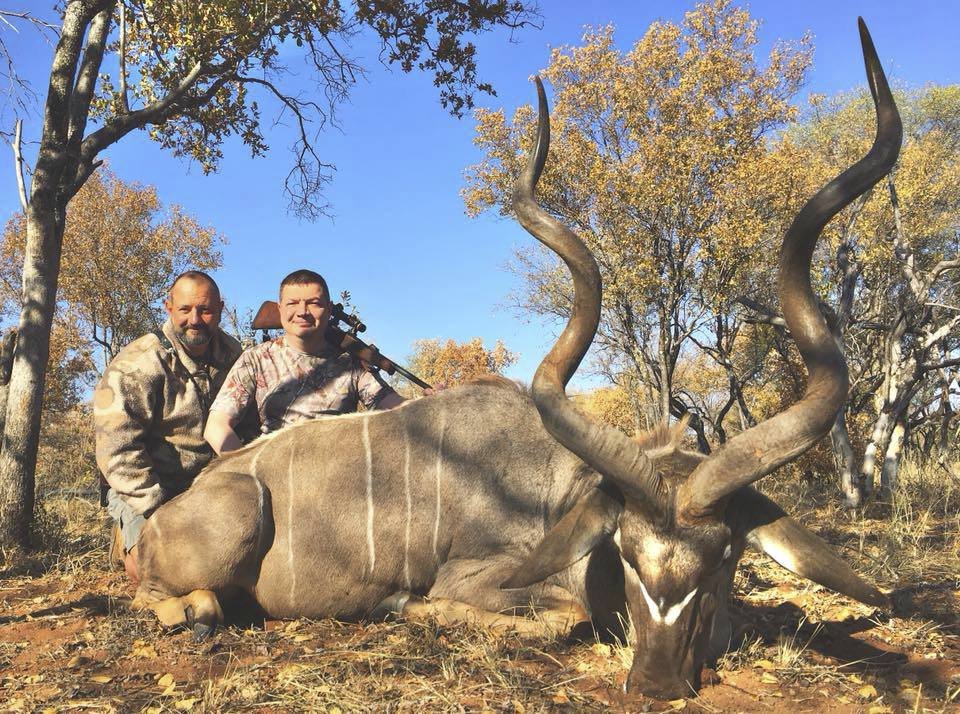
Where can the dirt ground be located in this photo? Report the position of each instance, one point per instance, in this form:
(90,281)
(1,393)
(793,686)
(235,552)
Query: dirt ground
(68,643)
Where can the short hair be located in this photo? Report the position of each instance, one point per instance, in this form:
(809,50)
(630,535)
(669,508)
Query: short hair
(196,276)
(305,277)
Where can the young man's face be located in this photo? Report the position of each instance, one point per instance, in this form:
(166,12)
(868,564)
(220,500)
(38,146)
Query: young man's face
(304,310)
(194,307)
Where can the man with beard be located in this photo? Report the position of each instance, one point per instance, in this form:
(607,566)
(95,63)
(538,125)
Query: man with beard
(150,407)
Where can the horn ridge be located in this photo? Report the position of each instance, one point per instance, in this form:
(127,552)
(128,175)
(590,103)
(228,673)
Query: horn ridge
(767,446)
(603,448)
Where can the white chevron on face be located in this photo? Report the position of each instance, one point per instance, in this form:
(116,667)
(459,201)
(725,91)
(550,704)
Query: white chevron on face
(660,612)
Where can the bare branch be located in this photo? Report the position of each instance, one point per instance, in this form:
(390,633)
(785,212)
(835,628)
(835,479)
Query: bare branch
(955,308)
(307,174)
(764,314)
(27,17)
(944,364)
(901,247)
(18,165)
(940,268)
(945,329)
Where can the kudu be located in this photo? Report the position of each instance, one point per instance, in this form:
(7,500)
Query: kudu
(488,500)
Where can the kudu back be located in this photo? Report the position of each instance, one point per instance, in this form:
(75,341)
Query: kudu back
(493,500)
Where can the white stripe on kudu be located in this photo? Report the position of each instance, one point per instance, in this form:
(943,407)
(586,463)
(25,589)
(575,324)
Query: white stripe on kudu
(658,613)
(406,490)
(371,549)
(436,522)
(671,614)
(290,496)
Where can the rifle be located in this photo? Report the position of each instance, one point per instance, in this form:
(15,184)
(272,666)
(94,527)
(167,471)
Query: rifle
(268,318)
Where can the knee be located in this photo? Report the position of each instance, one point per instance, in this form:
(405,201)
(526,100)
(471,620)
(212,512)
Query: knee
(130,565)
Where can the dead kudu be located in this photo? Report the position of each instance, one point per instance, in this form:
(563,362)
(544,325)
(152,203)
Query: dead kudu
(490,502)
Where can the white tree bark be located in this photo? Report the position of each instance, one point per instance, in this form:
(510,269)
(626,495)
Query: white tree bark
(891,459)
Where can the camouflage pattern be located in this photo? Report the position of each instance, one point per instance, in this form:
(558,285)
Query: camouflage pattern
(149,416)
(288,386)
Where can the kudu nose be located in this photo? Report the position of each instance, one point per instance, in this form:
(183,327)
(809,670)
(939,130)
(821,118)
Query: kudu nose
(658,686)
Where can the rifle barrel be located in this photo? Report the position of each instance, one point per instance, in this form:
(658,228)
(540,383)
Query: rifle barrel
(412,377)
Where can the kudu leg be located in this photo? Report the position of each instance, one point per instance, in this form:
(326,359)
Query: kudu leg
(208,541)
(199,610)
(469,591)
(542,623)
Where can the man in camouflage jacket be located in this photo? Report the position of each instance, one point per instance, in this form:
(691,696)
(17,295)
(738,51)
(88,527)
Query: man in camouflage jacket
(150,407)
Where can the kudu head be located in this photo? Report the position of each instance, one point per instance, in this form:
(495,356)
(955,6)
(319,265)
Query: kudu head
(681,520)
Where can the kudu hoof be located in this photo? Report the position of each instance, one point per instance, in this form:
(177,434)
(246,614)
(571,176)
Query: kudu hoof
(201,631)
(201,628)
(390,608)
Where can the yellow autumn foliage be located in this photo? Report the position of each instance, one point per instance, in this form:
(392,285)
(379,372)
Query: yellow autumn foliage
(451,363)
(121,250)
(654,153)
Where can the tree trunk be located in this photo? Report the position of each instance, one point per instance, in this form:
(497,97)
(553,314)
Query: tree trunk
(46,216)
(879,438)
(891,458)
(21,436)
(946,409)
(6,367)
(843,457)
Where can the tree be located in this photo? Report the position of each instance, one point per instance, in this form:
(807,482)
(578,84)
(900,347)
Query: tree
(195,73)
(121,251)
(651,150)
(453,363)
(888,274)
(611,405)
(898,293)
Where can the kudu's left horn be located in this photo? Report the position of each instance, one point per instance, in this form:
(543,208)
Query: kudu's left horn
(774,442)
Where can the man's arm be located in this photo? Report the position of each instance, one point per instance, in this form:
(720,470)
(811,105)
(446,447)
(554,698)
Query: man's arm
(390,400)
(219,432)
(124,402)
(232,401)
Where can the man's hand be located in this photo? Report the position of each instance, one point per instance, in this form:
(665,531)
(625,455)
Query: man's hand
(438,387)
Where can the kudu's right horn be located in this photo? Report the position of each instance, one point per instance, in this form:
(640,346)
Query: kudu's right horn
(606,449)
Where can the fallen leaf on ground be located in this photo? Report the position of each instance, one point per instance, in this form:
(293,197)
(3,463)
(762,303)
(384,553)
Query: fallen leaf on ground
(101,678)
(168,683)
(867,692)
(144,650)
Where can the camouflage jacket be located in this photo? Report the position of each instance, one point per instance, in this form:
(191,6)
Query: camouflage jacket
(149,411)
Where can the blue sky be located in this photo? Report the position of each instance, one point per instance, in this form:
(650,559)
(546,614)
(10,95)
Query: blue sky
(399,240)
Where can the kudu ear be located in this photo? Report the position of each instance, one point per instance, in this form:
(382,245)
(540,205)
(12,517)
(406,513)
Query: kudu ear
(769,529)
(594,517)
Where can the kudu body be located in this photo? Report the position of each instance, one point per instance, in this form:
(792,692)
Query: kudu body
(501,501)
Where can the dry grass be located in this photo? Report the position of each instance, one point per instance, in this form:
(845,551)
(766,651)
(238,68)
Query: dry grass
(67,642)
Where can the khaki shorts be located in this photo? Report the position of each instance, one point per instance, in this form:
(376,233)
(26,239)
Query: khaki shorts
(131,522)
